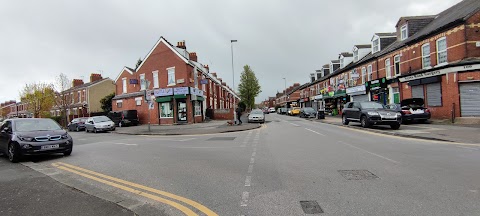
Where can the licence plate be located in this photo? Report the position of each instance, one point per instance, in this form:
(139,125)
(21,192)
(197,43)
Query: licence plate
(49,146)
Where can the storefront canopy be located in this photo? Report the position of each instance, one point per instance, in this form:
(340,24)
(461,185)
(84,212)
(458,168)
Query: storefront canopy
(164,99)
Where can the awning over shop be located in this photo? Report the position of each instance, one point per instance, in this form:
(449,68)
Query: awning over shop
(200,98)
(163,99)
(180,96)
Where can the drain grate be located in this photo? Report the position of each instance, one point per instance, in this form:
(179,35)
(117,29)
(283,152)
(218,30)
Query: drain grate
(357,174)
(221,138)
(311,207)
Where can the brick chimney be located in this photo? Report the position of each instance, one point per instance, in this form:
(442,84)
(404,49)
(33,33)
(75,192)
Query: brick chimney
(214,74)
(181,44)
(193,56)
(296,84)
(220,79)
(77,82)
(224,83)
(94,77)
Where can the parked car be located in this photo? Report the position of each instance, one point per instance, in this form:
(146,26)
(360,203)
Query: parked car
(77,124)
(271,109)
(282,111)
(370,113)
(289,111)
(124,117)
(256,115)
(266,111)
(99,123)
(295,111)
(33,136)
(307,112)
(412,109)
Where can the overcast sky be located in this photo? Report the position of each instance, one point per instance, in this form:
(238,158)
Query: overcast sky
(277,38)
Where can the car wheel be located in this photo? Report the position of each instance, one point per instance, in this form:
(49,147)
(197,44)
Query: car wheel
(77,129)
(13,153)
(344,120)
(395,126)
(94,130)
(68,152)
(364,122)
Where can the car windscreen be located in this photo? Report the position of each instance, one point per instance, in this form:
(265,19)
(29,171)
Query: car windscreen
(130,114)
(26,125)
(371,105)
(308,109)
(99,119)
(256,112)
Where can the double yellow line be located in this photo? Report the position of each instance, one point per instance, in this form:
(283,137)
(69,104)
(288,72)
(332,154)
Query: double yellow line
(124,185)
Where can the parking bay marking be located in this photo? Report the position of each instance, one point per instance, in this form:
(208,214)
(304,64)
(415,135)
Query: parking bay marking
(127,144)
(76,170)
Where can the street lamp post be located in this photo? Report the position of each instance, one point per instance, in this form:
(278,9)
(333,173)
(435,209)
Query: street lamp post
(233,85)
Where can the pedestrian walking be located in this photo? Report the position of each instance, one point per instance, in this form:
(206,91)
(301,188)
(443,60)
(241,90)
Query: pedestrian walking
(239,114)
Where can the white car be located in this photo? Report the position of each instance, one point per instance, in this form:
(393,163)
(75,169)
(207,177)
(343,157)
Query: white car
(271,110)
(99,123)
(256,115)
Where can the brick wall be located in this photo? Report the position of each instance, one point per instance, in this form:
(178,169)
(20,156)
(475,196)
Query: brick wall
(223,114)
(473,35)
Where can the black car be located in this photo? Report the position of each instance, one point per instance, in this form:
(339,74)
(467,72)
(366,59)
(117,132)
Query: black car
(124,117)
(307,112)
(77,124)
(370,113)
(412,109)
(33,136)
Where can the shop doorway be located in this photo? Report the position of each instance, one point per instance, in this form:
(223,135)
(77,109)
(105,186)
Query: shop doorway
(181,110)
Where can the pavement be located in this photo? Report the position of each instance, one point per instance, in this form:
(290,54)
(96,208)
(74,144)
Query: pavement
(210,127)
(288,166)
(24,191)
(430,130)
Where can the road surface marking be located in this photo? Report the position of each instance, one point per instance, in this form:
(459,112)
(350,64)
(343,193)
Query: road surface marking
(255,149)
(244,199)
(190,202)
(467,147)
(128,144)
(253,154)
(380,156)
(295,125)
(183,140)
(314,131)
(250,168)
(252,160)
(248,181)
(178,206)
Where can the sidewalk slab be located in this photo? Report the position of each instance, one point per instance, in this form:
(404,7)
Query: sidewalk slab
(432,131)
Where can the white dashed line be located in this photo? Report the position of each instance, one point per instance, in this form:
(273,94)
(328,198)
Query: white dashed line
(295,125)
(248,181)
(250,168)
(314,131)
(244,199)
(127,144)
(253,154)
(380,156)
(252,160)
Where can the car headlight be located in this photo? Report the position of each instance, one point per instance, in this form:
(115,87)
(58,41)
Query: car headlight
(28,139)
(372,113)
(65,136)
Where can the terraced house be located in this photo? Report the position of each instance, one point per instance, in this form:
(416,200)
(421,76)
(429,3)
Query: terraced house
(435,57)
(179,87)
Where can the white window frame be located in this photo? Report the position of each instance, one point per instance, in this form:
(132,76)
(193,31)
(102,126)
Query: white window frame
(72,97)
(143,85)
(124,85)
(170,75)
(388,68)
(79,94)
(198,108)
(402,29)
(138,101)
(119,102)
(396,73)
(370,72)
(161,110)
(426,55)
(377,46)
(364,74)
(155,79)
(84,96)
(438,51)
(355,54)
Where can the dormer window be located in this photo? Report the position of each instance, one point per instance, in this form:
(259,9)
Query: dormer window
(376,45)
(404,32)
(355,55)
(341,62)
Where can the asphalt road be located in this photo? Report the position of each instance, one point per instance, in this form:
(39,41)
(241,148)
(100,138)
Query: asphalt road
(269,171)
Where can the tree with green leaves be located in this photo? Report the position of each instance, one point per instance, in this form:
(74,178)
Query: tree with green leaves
(107,102)
(39,98)
(249,87)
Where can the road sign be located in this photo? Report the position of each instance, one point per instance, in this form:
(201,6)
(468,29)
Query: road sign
(151,105)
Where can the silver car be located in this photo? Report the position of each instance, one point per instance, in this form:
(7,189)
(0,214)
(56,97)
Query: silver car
(256,115)
(99,123)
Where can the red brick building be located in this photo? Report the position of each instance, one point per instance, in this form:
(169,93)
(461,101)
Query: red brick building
(180,87)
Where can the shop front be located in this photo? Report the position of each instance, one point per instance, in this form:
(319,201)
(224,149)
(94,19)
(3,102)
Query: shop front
(179,105)
(378,90)
(358,93)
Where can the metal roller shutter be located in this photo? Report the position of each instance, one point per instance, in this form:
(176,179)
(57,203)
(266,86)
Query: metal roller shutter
(434,94)
(417,91)
(470,99)
(360,98)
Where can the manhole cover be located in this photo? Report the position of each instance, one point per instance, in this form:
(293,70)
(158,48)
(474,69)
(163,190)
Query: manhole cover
(221,138)
(311,207)
(357,174)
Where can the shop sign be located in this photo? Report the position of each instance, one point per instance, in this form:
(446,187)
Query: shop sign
(376,84)
(196,91)
(133,81)
(440,72)
(355,89)
(180,91)
(163,92)
(204,81)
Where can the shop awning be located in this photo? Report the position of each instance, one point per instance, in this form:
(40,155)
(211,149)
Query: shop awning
(164,99)
(200,98)
(180,96)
